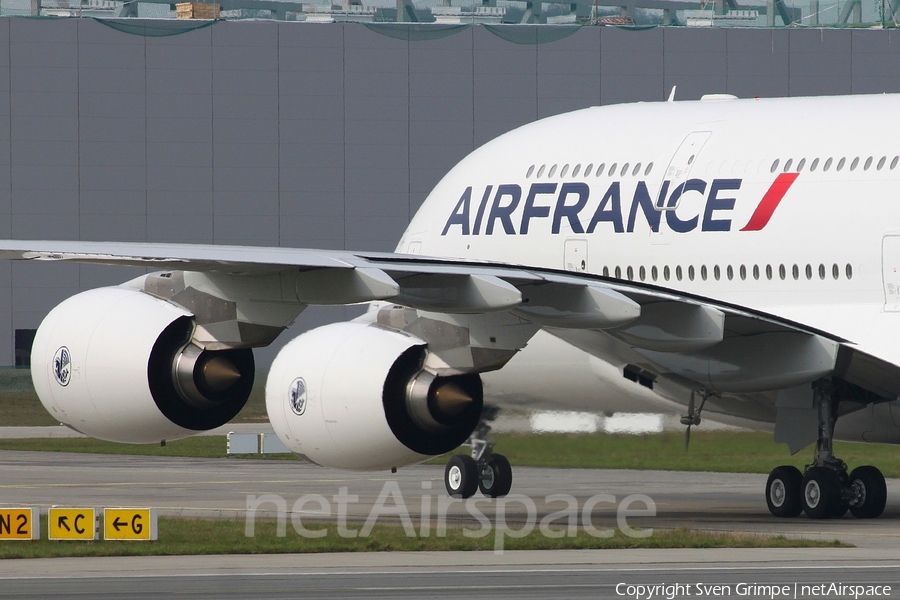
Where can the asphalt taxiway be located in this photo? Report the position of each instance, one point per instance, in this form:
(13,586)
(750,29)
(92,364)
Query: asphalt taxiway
(226,488)
(748,573)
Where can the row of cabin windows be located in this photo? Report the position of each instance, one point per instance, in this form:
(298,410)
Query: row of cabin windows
(729,271)
(801,164)
(602,169)
(624,170)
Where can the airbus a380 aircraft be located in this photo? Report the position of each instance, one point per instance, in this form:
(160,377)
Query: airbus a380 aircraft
(740,256)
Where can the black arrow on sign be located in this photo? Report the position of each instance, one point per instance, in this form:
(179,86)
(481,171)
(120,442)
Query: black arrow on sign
(63,522)
(119,524)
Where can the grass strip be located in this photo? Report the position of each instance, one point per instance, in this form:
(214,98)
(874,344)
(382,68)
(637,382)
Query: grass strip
(205,446)
(20,406)
(23,409)
(718,451)
(200,536)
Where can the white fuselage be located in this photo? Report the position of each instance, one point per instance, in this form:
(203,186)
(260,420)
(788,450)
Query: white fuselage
(816,260)
(785,206)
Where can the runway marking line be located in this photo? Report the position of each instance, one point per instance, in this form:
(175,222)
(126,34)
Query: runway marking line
(457,569)
(157,483)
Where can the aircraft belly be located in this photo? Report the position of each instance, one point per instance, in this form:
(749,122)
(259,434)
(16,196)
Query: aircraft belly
(584,373)
(551,374)
(876,423)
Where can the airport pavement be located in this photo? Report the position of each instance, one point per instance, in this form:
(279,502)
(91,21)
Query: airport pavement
(222,487)
(737,573)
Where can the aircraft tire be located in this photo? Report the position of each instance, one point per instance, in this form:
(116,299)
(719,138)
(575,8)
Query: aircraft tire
(783,491)
(461,476)
(821,493)
(871,492)
(496,477)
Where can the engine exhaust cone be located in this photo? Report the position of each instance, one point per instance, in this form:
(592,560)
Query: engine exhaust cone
(450,399)
(219,374)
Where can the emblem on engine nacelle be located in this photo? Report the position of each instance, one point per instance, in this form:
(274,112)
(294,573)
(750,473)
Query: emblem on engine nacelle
(62,366)
(297,396)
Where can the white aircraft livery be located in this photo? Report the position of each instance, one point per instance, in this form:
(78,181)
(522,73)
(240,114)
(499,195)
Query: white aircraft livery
(736,256)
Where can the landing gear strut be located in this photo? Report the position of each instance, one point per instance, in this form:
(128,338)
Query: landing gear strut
(825,490)
(483,470)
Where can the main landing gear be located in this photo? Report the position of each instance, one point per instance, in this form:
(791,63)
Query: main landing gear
(826,490)
(483,470)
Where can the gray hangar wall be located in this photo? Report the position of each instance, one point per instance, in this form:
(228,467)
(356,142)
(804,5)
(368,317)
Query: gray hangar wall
(321,135)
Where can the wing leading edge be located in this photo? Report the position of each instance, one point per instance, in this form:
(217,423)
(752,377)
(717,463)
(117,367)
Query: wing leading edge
(715,346)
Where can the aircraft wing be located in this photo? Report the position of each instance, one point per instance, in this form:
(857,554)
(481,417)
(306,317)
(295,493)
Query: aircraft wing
(692,339)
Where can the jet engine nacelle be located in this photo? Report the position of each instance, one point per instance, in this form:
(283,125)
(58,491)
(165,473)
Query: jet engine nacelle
(354,396)
(117,364)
